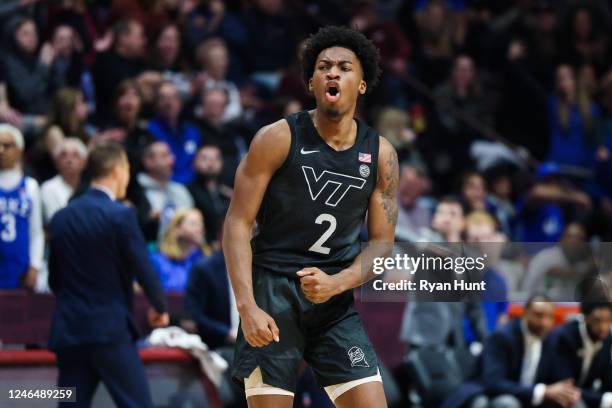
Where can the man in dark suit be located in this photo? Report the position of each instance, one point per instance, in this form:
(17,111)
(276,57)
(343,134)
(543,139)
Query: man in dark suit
(96,252)
(515,359)
(582,350)
(208,300)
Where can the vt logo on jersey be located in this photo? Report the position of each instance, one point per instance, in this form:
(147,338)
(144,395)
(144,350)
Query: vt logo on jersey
(335,184)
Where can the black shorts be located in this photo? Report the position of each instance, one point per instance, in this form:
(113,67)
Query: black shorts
(329,336)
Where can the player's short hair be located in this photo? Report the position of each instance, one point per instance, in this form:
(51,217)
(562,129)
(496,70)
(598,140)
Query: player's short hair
(336,36)
(15,134)
(103,158)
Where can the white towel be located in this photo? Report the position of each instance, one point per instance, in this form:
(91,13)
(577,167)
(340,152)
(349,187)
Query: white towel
(212,364)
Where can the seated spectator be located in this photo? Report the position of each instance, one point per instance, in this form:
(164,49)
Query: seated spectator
(213,130)
(21,231)
(27,73)
(123,61)
(68,65)
(543,211)
(209,300)
(559,270)
(70,158)
(181,245)
(516,357)
(166,57)
(167,126)
(163,195)
(437,322)
(415,210)
(210,196)
(501,193)
(214,58)
(481,232)
(127,125)
(572,119)
(463,90)
(581,350)
(67,118)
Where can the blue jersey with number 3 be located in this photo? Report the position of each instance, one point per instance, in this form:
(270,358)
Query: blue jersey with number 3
(15,209)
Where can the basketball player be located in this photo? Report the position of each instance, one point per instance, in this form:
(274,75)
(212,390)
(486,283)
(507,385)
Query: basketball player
(308,180)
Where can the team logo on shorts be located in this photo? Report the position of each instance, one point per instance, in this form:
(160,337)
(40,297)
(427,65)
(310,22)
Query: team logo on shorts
(364,170)
(357,357)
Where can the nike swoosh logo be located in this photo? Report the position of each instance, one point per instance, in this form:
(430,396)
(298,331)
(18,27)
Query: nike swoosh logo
(308,151)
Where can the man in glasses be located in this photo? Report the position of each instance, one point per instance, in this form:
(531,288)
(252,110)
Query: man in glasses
(21,233)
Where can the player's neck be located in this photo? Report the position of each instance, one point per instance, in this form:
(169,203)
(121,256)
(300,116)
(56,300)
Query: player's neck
(338,133)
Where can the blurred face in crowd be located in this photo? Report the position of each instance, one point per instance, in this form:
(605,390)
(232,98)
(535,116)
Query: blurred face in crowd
(448,219)
(337,81)
(410,187)
(128,105)
(158,160)
(463,72)
(598,323)
(434,17)
(540,318)
(191,228)
(474,191)
(574,241)
(566,82)
(26,37)
(168,102)
(9,153)
(292,106)
(63,40)
(479,231)
(216,61)
(502,187)
(132,43)
(582,24)
(270,6)
(214,103)
(70,160)
(80,107)
(169,45)
(208,162)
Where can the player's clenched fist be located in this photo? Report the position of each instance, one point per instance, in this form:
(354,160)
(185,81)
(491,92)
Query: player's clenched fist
(318,286)
(258,327)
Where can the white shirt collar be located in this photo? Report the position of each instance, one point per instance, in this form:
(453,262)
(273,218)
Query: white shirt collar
(527,335)
(105,191)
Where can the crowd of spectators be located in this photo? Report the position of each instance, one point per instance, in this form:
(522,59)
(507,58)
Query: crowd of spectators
(501,113)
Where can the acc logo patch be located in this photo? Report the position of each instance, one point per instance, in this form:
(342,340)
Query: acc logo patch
(364,170)
(357,357)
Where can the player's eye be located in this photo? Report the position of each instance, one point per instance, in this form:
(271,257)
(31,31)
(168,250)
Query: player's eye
(346,68)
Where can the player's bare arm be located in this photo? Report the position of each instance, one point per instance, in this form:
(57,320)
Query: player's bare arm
(317,286)
(267,151)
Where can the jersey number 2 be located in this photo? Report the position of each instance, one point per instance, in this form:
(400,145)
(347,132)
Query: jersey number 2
(318,245)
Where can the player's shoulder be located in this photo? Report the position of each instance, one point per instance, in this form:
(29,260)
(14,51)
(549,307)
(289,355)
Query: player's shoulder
(271,145)
(386,151)
(273,134)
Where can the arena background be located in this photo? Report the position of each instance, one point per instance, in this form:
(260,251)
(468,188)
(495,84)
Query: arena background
(505,105)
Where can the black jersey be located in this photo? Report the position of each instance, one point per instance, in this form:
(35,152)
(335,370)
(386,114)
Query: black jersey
(316,202)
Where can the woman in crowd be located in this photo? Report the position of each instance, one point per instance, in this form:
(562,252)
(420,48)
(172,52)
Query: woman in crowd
(181,245)
(572,119)
(67,118)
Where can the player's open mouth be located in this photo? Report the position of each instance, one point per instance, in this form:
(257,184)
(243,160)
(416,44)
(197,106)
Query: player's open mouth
(332,94)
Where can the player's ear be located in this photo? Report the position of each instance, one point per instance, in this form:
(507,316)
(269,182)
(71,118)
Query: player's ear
(310,85)
(363,87)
